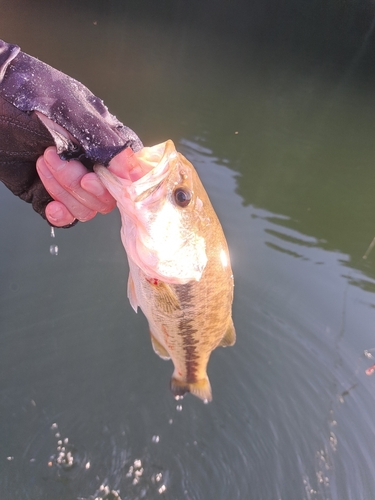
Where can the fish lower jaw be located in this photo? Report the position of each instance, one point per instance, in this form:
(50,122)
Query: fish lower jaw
(200,388)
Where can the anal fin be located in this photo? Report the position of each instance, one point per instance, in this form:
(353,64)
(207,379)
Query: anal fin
(158,348)
(229,337)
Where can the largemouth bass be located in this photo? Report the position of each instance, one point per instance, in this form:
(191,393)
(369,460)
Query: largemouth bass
(180,273)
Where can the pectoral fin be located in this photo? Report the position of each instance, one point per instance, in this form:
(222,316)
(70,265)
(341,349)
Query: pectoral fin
(165,296)
(229,337)
(131,293)
(158,348)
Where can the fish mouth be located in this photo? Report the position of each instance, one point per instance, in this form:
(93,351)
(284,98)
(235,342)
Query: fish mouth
(141,173)
(155,163)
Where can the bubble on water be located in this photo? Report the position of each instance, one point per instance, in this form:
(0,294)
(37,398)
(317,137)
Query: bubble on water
(146,478)
(138,473)
(54,250)
(178,398)
(162,489)
(65,459)
(10,459)
(158,477)
(88,465)
(54,426)
(179,407)
(370,370)
(170,421)
(155,439)
(104,493)
(333,441)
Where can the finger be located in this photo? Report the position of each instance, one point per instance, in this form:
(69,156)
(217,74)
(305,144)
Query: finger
(126,165)
(90,182)
(59,193)
(69,175)
(58,215)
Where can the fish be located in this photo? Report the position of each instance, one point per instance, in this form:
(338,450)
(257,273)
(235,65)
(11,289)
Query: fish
(180,274)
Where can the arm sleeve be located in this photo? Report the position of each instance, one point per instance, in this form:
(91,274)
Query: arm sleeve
(27,86)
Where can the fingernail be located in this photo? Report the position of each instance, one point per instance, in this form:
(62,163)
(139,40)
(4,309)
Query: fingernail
(54,161)
(55,213)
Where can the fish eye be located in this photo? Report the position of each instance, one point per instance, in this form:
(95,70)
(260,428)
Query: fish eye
(182,197)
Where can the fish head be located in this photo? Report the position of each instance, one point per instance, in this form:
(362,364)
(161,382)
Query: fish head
(163,207)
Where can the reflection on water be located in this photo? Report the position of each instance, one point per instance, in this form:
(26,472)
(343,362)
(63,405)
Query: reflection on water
(286,154)
(305,351)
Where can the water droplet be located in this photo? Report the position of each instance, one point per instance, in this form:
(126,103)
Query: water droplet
(88,465)
(179,407)
(137,463)
(54,250)
(155,439)
(52,232)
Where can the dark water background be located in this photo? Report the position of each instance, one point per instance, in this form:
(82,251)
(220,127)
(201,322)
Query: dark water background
(274,103)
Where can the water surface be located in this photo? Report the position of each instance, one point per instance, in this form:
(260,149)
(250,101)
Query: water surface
(284,146)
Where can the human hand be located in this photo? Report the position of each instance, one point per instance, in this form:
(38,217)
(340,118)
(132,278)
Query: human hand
(77,193)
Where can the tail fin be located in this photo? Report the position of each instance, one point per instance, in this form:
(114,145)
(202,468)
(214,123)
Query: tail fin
(200,388)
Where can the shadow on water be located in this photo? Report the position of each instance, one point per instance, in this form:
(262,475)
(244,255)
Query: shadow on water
(282,138)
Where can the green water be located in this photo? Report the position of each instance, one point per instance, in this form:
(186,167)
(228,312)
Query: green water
(276,113)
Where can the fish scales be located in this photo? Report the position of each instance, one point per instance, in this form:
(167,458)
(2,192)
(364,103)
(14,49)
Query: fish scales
(180,273)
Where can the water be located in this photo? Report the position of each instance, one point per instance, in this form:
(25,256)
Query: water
(282,137)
